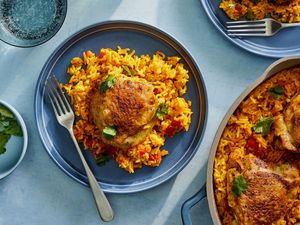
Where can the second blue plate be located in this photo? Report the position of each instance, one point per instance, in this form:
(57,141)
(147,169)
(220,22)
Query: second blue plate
(285,43)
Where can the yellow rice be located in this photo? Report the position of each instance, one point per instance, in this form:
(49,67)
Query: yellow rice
(234,139)
(166,74)
(288,12)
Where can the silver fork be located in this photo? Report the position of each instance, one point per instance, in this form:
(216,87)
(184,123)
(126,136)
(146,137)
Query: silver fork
(65,117)
(265,27)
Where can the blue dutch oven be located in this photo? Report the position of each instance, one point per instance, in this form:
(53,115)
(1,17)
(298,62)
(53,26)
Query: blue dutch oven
(207,191)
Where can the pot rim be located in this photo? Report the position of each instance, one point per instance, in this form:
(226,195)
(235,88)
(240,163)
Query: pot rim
(278,65)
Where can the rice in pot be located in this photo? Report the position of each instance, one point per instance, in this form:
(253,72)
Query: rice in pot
(286,11)
(242,140)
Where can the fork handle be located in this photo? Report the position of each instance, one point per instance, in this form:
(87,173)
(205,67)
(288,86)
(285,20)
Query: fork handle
(284,25)
(104,209)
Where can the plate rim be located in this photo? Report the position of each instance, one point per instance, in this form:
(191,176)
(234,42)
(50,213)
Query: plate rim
(240,42)
(200,130)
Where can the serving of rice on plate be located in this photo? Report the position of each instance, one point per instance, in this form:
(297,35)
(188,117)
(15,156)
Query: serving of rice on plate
(250,145)
(168,78)
(286,11)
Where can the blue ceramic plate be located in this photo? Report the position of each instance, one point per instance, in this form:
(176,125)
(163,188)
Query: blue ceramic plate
(284,43)
(145,40)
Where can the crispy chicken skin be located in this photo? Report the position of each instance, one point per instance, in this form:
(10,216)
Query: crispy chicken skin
(130,106)
(265,200)
(287,126)
(266,197)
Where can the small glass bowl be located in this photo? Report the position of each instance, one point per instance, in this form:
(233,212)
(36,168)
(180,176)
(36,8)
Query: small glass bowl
(28,23)
(15,148)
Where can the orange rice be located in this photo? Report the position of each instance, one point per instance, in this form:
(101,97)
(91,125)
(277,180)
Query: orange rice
(235,138)
(284,11)
(166,74)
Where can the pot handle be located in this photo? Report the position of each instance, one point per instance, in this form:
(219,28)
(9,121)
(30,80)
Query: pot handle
(188,204)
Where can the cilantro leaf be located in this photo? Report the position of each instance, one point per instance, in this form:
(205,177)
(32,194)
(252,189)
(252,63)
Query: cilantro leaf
(8,126)
(13,128)
(263,126)
(5,113)
(276,91)
(108,83)
(103,159)
(3,122)
(130,72)
(231,5)
(239,185)
(3,141)
(161,111)
(109,132)
(250,15)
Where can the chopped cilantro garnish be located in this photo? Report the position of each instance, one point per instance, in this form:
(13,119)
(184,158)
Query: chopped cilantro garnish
(276,91)
(250,15)
(161,111)
(3,140)
(8,126)
(108,83)
(109,132)
(231,5)
(263,126)
(5,113)
(130,72)
(13,128)
(239,185)
(103,159)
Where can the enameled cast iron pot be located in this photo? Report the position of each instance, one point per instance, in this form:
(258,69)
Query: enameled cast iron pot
(208,189)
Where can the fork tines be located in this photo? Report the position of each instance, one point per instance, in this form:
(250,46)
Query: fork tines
(246,28)
(57,97)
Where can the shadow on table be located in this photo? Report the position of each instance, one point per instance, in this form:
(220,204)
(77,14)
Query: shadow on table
(140,207)
(191,26)
(17,61)
(200,212)
(162,205)
(82,12)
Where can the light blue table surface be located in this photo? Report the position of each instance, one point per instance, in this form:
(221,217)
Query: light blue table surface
(39,193)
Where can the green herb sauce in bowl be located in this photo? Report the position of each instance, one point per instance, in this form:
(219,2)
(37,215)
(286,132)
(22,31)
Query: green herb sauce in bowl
(13,139)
